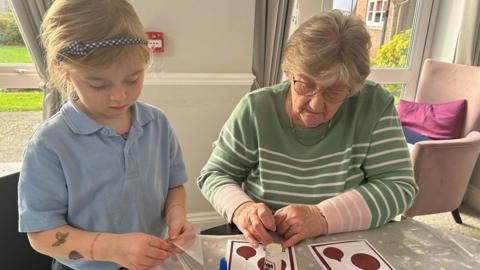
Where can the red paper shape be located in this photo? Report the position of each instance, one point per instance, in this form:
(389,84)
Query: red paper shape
(246,252)
(365,261)
(333,253)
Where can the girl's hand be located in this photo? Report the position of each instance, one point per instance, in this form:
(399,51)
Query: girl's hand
(253,220)
(181,233)
(140,251)
(299,221)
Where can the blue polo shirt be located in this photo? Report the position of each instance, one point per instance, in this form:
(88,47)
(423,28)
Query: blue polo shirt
(78,172)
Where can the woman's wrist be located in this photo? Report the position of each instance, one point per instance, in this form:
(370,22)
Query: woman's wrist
(239,210)
(323,220)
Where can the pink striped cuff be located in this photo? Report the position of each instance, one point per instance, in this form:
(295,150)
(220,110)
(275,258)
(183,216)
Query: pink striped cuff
(228,198)
(346,212)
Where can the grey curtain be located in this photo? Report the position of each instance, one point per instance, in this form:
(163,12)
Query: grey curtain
(468,43)
(272,22)
(29,14)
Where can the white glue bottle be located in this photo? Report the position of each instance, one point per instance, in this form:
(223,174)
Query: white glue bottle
(273,257)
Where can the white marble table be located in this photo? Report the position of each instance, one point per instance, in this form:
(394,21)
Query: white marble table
(407,244)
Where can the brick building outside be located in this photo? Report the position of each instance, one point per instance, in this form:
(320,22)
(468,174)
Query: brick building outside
(398,15)
(4,6)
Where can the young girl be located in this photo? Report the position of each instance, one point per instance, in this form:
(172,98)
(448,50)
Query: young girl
(101,179)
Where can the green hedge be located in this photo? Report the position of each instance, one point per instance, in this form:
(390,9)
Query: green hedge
(394,54)
(9,33)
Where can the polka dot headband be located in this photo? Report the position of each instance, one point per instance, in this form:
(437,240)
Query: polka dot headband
(78,48)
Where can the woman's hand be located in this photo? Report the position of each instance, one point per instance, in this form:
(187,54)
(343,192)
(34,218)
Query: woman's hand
(299,221)
(253,220)
(140,251)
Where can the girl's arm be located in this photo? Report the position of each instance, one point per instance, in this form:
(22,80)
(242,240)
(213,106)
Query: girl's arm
(175,213)
(132,250)
(176,198)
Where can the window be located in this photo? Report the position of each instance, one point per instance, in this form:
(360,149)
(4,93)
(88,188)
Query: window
(3,6)
(398,48)
(16,68)
(376,11)
(398,29)
(20,98)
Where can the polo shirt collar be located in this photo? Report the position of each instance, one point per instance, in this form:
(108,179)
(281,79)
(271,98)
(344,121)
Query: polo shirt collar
(142,114)
(80,123)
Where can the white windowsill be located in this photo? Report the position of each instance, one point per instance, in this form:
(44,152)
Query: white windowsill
(9,168)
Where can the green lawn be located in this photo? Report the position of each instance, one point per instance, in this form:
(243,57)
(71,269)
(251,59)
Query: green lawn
(14,54)
(20,101)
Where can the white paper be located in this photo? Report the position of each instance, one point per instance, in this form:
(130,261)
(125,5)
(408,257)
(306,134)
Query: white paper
(241,255)
(356,254)
(191,255)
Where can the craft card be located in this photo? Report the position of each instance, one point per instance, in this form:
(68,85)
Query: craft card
(349,255)
(242,256)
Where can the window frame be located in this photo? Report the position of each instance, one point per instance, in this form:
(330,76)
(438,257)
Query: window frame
(421,41)
(3,6)
(374,12)
(18,75)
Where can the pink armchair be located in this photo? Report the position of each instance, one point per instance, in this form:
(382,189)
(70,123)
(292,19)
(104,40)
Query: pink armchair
(443,168)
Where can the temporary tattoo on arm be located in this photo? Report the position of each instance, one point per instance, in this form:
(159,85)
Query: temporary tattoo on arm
(75,255)
(61,238)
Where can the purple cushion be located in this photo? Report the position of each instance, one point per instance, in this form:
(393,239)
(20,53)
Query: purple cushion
(437,121)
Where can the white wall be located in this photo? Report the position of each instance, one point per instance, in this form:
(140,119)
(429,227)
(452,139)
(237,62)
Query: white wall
(197,113)
(202,36)
(204,71)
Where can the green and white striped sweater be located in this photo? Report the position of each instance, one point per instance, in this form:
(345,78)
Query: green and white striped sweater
(356,168)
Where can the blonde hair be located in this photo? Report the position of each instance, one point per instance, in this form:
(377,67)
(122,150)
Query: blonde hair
(89,21)
(330,46)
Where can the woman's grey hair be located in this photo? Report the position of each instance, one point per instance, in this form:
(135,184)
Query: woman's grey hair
(330,47)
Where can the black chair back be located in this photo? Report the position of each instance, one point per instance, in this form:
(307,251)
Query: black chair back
(15,250)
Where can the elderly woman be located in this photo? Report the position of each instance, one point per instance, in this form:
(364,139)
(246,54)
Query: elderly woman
(320,153)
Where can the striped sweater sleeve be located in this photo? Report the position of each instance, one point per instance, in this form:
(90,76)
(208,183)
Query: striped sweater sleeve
(234,155)
(389,188)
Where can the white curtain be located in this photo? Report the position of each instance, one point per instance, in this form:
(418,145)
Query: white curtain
(468,43)
(272,22)
(29,15)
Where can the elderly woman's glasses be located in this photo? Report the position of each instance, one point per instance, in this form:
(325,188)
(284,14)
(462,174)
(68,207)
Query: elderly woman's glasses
(309,89)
